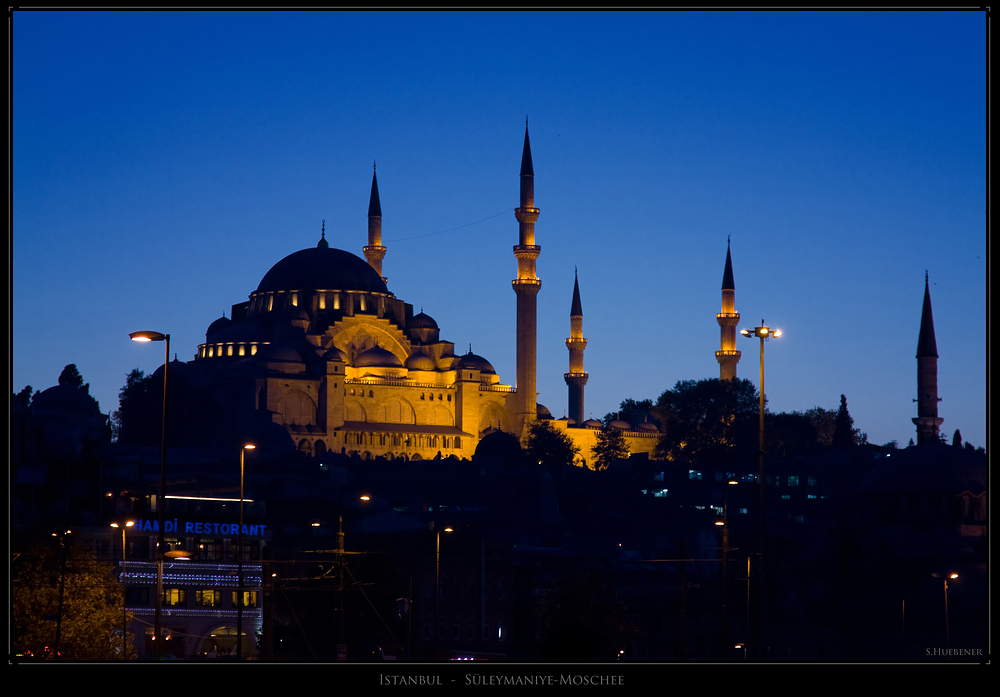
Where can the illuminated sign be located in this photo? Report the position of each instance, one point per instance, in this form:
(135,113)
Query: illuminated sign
(199,527)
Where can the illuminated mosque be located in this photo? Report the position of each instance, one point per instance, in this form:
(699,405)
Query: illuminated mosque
(345,366)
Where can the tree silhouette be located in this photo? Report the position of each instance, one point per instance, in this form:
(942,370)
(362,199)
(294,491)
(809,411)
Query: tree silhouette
(707,417)
(844,435)
(546,445)
(71,376)
(611,446)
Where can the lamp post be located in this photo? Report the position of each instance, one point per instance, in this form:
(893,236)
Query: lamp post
(239,556)
(126,524)
(724,524)
(947,628)
(763,332)
(437,584)
(146,336)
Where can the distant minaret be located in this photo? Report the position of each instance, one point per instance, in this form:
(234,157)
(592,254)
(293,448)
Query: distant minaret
(374,251)
(927,420)
(728,357)
(526,285)
(576,378)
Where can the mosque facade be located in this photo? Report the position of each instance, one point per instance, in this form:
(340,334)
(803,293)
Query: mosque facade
(345,366)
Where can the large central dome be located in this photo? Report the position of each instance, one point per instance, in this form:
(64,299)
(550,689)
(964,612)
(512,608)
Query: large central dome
(322,268)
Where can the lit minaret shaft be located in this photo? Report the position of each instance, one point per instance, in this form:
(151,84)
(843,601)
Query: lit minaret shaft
(576,378)
(374,251)
(927,420)
(728,356)
(526,285)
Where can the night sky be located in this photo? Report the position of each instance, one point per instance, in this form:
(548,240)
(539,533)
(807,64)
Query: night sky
(163,162)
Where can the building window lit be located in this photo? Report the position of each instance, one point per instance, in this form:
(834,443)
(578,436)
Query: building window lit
(694,474)
(811,481)
(208,598)
(249,598)
(786,497)
(658,477)
(661,494)
(743,511)
(336,301)
(322,301)
(793,480)
(174,596)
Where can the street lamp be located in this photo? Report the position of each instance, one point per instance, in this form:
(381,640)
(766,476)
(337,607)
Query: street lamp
(143,337)
(763,332)
(126,524)
(437,584)
(239,556)
(947,628)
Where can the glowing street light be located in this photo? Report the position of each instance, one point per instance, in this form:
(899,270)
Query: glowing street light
(437,582)
(145,337)
(126,524)
(239,555)
(763,332)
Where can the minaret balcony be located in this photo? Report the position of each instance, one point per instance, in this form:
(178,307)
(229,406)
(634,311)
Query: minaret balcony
(374,251)
(526,285)
(527,251)
(572,343)
(526,215)
(720,354)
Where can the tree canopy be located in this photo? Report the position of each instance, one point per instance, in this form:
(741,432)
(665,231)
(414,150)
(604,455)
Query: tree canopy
(546,445)
(707,417)
(91,611)
(611,446)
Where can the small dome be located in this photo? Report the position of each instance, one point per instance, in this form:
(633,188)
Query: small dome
(422,321)
(592,423)
(646,426)
(377,357)
(420,361)
(278,353)
(471,361)
(498,445)
(217,326)
(63,399)
(543,412)
(335,354)
(621,425)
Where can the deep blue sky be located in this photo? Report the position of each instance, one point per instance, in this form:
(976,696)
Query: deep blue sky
(163,162)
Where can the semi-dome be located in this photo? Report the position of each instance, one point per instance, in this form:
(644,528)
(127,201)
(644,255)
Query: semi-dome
(335,354)
(377,357)
(322,268)
(471,361)
(420,361)
(247,331)
(275,353)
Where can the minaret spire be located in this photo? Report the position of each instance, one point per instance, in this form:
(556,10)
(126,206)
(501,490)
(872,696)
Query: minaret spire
(728,356)
(927,421)
(526,286)
(577,377)
(374,251)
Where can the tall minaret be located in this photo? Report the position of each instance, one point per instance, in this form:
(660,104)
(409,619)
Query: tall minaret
(576,378)
(526,285)
(374,251)
(927,420)
(728,357)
